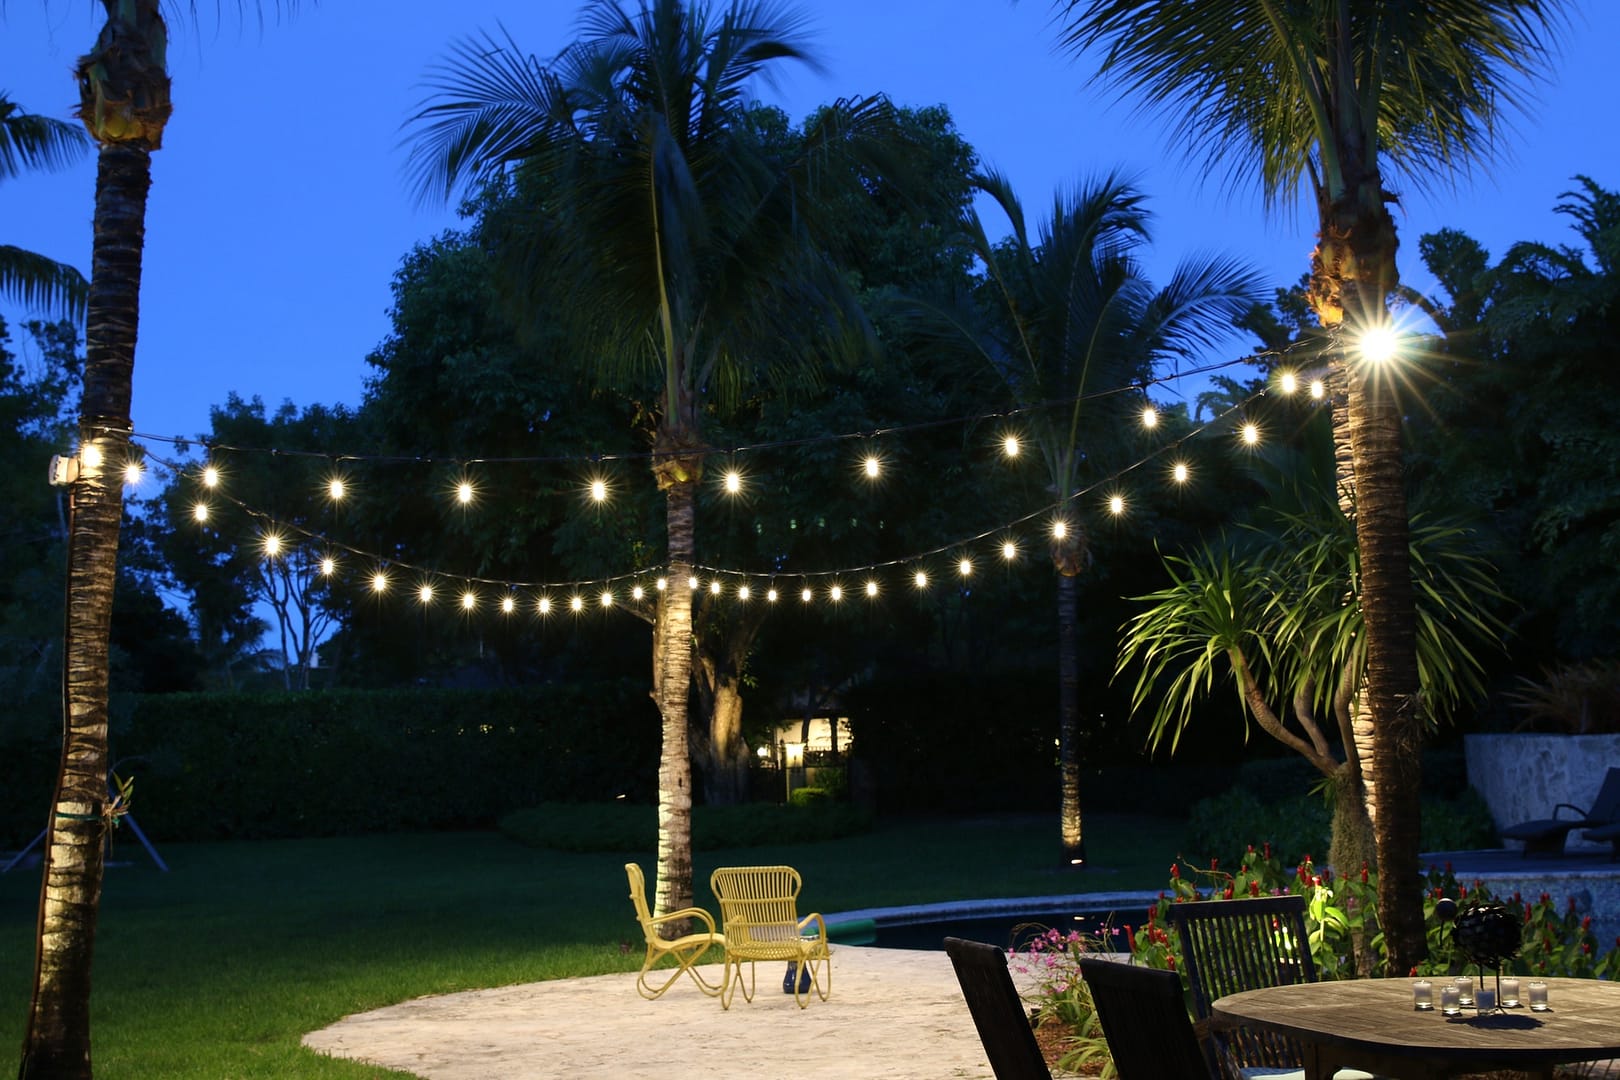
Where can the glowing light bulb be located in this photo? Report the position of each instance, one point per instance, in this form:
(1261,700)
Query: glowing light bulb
(599,490)
(714,587)
(836,593)
(132,473)
(1009,446)
(544,605)
(90,454)
(638,593)
(1150,417)
(805,594)
(1009,550)
(607,597)
(1180,472)
(200,511)
(1288,382)
(328,566)
(464,493)
(272,545)
(965,567)
(508,605)
(210,477)
(770,596)
(335,489)
(425,594)
(743,592)
(661,584)
(1317,389)
(1116,504)
(921,579)
(871,588)
(872,465)
(1060,529)
(1380,345)
(379,582)
(692,582)
(468,601)
(1251,433)
(733,482)
(576,603)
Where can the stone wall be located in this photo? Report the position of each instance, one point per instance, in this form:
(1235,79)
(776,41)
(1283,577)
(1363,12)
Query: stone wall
(1523,777)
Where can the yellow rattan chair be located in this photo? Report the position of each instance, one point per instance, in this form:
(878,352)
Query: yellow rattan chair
(759,913)
(687,949)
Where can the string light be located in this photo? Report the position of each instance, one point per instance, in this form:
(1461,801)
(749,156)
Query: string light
(272,545)
(770,596)
(1181,472)
(328,566)
(425,594)
(638,593)
(871,588)
(965,568)
(661,584)
(743,593)
(599,491)
(1150,417)
(607,598)
(335,489)
(200,512)
(1010,447)
(1318,391)
(806,595)
(210,477)
(508,605)
(1116,504)
(469,601)
(379,582)
(714,587)
(920,579)
(90,454)
(132,473)
(465,493)
(1288,382)
(873,466)
(1380,345)
(1009,550)
(576,603)
(1060,529)
(733,482)
(836,593)
(543,605)
(692,582)
(1251,433)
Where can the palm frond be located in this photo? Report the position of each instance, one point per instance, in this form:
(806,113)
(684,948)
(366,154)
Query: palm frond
(30,141)
(40,284)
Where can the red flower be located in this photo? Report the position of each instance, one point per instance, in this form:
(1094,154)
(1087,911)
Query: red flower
(1170,962)
(1268,849)
(1586,923)
(1254,888)
(1364,873)
(1214,864)
(1228,894)
(1413,972)
(1175,872)
(1130,937)
(1572,905)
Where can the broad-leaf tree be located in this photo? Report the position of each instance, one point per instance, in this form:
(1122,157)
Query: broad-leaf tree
(680,245)
(1323,94)
(1073,318)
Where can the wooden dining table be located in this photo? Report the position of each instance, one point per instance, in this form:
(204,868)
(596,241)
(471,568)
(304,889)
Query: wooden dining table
(1370,1024)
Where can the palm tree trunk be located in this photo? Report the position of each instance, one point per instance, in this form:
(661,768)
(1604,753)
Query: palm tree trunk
(725,757)
(672,687)
(1069,821)
(1392,675)
(57,1039)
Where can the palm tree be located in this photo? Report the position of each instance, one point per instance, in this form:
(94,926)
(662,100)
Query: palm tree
(28,141)
(1326,91)
(1078,317)
(669,234)
(124,104)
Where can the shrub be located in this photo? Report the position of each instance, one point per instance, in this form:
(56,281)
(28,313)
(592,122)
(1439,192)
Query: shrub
(810,796)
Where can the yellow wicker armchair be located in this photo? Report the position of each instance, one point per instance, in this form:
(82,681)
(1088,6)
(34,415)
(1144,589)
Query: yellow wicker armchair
(759,914)
(687,950)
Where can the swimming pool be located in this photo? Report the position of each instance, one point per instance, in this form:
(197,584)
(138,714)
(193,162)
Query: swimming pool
(1007,922)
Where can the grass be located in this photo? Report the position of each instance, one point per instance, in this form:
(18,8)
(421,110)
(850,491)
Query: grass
(217,968)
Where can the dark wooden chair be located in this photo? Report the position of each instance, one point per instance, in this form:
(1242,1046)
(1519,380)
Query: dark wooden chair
(1144,1018)
(1546,836)
(998,1011)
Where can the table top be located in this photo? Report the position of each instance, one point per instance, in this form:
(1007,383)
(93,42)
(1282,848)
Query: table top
(1374,1019)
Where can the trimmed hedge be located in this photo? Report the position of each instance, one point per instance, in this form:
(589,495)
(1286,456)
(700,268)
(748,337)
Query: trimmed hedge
(238,766)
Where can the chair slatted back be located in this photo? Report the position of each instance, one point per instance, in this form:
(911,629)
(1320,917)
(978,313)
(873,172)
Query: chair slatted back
(998,1011)
(1229,946)
(759,905)
(638,897)
(1144,1018)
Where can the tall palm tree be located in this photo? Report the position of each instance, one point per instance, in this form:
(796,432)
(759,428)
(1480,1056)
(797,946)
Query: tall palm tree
(1078,316)
(672,238)
(28,141)
(1327,91)
(124,105)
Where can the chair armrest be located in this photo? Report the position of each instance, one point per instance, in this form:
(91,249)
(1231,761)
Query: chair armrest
(686,913)
(821,924)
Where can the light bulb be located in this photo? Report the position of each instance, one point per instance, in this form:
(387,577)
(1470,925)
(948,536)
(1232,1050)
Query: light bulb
(805,594)
(90,455)
(661,584)
(965,567)
(692,582)
(598,490)
(1060,529)
(1009,446)
(770,596)
(508,605)
(328,566)
(607,597)
(210,477)
(1380,345)
(872,465)
(733,482)
(1009,550)
(921,578)
(468,601)
(1150,417)
(836,593)
(272,545)
(1180,472)
(1317,389)
(464,493)
(638,593)
(714,587)
(200,511)
(544,605)
(576,603)
(379,581)
(132,473)
(336,489)
(1116,504)
(871,588)
(1288,382)
(1251,433)
(425,594)
(743,592)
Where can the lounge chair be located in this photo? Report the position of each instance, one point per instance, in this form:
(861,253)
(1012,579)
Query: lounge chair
(1606,834)
(1144,1019)
(759,913)
(998,1011)
(687,949)
(1546,836)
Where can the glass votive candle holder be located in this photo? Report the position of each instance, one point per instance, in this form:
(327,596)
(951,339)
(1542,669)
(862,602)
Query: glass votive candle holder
(1485,999)
(1423,995)
(1538,996)
(1465,989)
(1450,999)
(1510,992)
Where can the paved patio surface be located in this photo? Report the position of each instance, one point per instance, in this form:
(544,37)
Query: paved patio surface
(894,1014)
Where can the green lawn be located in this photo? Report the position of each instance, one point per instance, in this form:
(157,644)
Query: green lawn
(217,968)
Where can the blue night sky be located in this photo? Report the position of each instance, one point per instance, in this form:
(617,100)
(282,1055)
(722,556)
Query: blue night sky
(279,211)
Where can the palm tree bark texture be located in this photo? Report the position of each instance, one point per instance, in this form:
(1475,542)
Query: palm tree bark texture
(124,102)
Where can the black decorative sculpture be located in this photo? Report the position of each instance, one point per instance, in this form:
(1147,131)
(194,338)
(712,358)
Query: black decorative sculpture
(1488,934)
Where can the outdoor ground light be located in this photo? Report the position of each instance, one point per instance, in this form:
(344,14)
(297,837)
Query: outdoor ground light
(1380,345)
